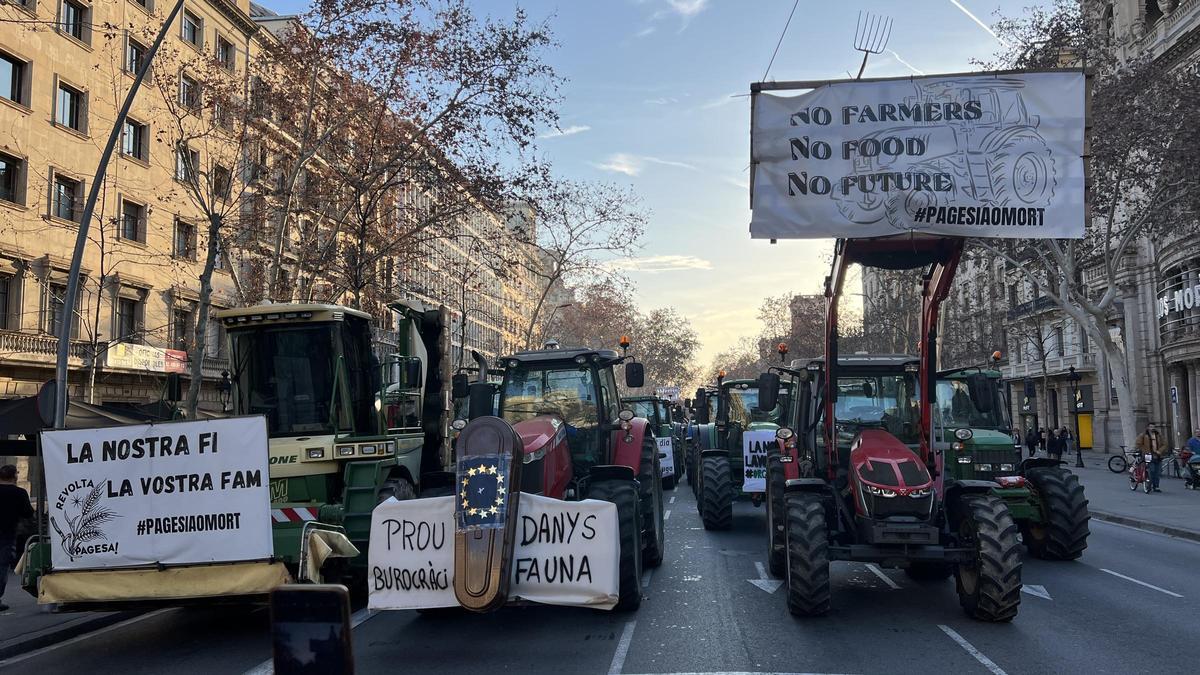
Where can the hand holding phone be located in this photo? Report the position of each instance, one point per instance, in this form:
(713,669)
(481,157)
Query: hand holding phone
(310,630)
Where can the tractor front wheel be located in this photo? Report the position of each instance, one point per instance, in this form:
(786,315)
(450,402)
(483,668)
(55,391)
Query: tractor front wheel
(650,482)
(776,516)
(1064,532)
(716,498)
(989,586)
(624,495)
(807,555)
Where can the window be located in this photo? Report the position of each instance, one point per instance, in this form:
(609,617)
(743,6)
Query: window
(12,78)
(181,328)
(133,219)
(133,140)
(185,240)
(135,53)
(193,29)
(214,340)
(189,92)
(187,162)
(226,55)
(73,20)
(126,329)
(1060,345)
(11,183)
(55,306)
(66,198)
(69,107)
(6,283)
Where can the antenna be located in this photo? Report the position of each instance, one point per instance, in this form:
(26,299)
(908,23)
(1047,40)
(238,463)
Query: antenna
(871,36)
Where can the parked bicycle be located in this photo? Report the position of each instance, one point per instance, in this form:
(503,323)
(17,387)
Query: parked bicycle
(1139,472)
(1118,463)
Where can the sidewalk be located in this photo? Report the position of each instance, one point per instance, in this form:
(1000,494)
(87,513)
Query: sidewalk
(25,626)
(1174,511)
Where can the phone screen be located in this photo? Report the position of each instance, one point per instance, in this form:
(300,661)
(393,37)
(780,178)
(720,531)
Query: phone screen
(310,629)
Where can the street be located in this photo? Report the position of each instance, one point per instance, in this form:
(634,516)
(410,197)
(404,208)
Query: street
(711,608)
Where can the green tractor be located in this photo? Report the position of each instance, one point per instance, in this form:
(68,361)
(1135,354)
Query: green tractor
(658,412)
(974,435)
(703,410)
(733,449)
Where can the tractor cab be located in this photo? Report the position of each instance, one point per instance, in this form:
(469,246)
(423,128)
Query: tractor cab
(971,425)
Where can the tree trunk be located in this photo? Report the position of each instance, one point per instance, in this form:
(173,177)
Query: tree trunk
(200,330)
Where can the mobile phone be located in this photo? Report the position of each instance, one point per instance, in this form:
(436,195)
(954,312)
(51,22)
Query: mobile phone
(310,629)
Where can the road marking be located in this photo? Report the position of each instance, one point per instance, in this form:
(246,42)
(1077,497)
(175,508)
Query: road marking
(666,515)
(618,660)
(646,577)
(745,672)
(886,579)
(85,636)
(672,500)
(1034,589)
(970,649)
(764,580)
(1142,583)
(356,619)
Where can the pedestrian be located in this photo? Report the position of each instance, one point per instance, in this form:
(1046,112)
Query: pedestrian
(1031,441)
(14,507)
(1042,439)
(1054,445)
(1193,461)
(1150,443)
(1066,440)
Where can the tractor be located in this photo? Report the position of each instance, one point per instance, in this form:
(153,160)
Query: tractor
(703,409)
(722,472)
(974,438)
(658,412)
(876,491)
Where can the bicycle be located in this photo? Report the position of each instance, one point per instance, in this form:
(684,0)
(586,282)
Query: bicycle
(1118,463)
(1139,472)
(1171,467)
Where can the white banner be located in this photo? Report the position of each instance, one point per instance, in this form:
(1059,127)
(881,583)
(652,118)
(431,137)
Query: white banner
(754,455)
(171,493)
(667,393)
(668,462)
(987,155)
(567,553)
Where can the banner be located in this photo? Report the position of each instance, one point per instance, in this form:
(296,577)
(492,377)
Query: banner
(668,462)
(667,393)
(979,155)
(755,445)
(172,493)
(140,357)
(567,553)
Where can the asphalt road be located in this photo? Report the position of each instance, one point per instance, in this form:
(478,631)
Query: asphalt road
(1130,605)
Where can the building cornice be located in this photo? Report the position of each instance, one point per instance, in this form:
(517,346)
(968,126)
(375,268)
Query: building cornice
(239,18)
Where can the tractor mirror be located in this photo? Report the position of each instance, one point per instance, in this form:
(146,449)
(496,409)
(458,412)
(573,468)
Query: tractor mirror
(768,391)
(635,375)
(868,390)
(979,387)
(460,386)
(701,403)
(412,373)
(480,399)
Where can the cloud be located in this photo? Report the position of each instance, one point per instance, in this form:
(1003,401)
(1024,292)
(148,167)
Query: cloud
(687,8)
(661,100)
(661,263)
(982,25)
(645,31)
(720,101)
(632,165)
(906,64)
(569,131)
(668,162)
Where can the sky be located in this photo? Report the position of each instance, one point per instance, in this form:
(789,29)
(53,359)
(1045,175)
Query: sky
(656,98)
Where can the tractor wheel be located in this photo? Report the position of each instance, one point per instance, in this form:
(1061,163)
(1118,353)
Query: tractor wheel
(807,555)
(399,488)
(1022,172)
(716,498)
(929,571)
(629,525)
(653,527)
(1063,535)
(989,587)
(776,517)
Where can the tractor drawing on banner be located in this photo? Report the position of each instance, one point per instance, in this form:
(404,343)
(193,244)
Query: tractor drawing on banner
(999,159)
(558,497)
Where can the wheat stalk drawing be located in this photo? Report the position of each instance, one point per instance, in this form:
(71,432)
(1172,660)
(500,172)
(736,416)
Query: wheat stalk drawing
(85,526)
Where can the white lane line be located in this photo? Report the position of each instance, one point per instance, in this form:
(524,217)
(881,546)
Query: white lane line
(618,660)
(970,649)
(356,619)
(672,500)
(646,577)
(745,672)
(886,579)
(666,515)
(1160,590)
(85,636)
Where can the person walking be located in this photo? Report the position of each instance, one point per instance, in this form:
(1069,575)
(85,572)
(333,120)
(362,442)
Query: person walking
(1151,443)
(1042,439)
(14,507)
(1053,445)
(1066,441)
(1193,462)
(1031,441)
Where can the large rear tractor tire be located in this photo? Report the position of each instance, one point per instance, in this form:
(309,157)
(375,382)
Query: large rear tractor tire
(629,525)
(651,485)
(807,555)
(989,587)
(776,517)
(1063,534)
(716,498)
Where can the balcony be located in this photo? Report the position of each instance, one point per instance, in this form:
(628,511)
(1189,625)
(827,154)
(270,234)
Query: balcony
(38,348)
(1055,366)
(1035,306)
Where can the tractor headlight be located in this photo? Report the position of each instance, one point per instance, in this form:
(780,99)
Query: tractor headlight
(342,451)
(963,434)
(784,433)
(368,449)
(964,460)
(458,425)
(315,453)
(881,492)
(918,494)
(1006,467)
(983,467)
(389,448)
(625,415)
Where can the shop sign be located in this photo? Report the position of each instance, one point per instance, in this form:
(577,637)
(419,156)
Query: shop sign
(141,357)
(1173,302)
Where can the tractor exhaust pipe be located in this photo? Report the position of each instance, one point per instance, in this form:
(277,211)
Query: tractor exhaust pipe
(482,364)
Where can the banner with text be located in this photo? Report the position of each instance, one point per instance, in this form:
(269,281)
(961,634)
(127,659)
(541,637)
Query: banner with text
(172,493)
(755,445)
(567,553)
(668,462)
(979,155)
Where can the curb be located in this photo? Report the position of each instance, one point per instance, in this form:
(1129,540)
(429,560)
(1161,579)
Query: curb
(65,631)
(1146,525)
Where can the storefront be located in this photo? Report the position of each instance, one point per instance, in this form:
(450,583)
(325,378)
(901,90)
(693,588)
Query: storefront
(1179,329)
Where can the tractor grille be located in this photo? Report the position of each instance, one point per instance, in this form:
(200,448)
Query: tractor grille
(882,507)
(988,464)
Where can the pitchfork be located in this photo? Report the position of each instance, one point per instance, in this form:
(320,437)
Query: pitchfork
(871,36)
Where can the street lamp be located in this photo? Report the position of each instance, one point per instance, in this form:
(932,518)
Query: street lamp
(1076,401)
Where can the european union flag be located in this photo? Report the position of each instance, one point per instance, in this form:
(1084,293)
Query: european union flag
(482,500)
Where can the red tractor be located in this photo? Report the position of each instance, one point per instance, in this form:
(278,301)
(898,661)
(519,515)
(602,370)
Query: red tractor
(574,440)
(868,487)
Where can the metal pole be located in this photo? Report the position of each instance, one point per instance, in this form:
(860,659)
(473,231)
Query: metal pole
(64,331)
(1075,411)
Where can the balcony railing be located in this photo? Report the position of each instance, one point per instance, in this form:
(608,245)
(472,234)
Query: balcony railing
(1055,366)
(1034,306)
(17,344)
